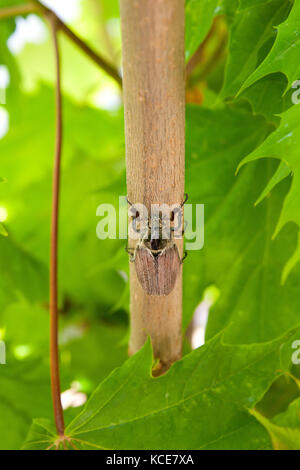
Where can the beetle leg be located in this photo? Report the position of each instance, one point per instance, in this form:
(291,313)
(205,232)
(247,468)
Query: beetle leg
(184,256)
(186,196)
(185,226)
(128,202)
(131,252)
(173,229)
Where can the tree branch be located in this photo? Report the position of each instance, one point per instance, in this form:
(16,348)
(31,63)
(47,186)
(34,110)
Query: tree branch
(154,102)
(109,69)
(36,7)
(17,10)
(94,56)
(54,353)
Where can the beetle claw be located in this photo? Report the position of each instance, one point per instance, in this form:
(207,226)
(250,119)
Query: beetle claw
(186,196)
(184,256)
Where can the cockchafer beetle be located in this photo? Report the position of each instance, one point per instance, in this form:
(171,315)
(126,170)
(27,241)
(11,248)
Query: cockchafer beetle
(156,256)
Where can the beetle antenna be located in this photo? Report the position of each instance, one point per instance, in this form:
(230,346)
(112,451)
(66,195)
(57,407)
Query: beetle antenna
(128,202)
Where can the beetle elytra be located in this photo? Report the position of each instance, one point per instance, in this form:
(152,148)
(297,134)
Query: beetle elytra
(156,258)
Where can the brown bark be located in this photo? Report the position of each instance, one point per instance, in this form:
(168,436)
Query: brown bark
(154,100)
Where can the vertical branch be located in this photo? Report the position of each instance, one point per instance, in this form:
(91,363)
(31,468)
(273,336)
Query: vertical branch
(54,354)
(154,100)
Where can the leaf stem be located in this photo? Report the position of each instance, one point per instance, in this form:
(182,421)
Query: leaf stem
(36,7)
(54,354)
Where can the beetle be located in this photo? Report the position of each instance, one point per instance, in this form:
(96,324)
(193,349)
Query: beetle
(156,258)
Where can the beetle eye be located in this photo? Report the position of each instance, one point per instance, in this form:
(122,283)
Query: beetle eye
(172,216)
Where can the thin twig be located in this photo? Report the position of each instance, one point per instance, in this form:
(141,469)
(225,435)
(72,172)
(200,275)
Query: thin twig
(94,56)
(17,10)
(109,69)
(54,354)
(36,7)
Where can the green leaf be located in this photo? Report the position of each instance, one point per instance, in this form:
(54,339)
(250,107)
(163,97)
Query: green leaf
(282,392)
(96,133)
(25,385)
(132,410)
(251,33)
(91,350)
(238,235)
(42,435)
(267,97)
(280,174)
(284,54)
(26,324)
(228,8)
(92,161)
(21,275)
(284,429)
(199,16)
(283,144)
(3,231)
(24,394)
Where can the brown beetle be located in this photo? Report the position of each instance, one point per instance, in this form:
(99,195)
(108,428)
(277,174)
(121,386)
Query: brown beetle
(157,260)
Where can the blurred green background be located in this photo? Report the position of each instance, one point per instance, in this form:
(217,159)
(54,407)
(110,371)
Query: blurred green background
(92,273)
